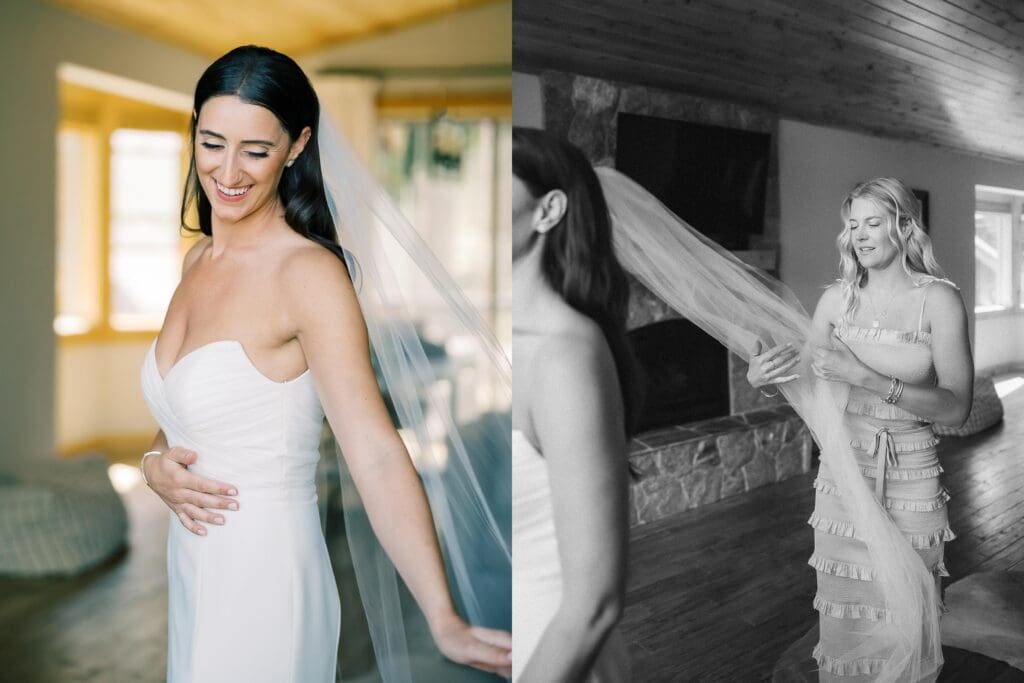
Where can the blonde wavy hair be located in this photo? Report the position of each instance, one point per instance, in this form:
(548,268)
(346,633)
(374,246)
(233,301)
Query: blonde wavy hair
(904,228)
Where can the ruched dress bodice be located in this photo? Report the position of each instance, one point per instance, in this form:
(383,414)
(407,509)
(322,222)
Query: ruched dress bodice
(254,599)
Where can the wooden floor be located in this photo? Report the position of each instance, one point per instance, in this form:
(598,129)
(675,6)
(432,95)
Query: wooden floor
(719,593)
(108,625)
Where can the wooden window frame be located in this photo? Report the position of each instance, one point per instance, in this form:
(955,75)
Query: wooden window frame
(101,114)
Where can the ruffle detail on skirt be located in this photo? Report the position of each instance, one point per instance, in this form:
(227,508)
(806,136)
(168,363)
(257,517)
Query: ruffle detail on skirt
(837,667)
(831,526)
(904,474)
(838,568)
(826,487)
(901,447)
(933,539)
(851,610)
(918,505)
(940,570)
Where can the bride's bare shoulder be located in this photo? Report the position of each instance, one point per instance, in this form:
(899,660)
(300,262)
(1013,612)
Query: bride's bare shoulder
(576,343)
(308,271)
(193,253)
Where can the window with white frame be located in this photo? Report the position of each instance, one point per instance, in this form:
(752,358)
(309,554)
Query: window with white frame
(998,254)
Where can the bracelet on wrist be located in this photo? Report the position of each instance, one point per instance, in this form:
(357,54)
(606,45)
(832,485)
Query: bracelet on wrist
(895,391)
(767,395)
(142,464)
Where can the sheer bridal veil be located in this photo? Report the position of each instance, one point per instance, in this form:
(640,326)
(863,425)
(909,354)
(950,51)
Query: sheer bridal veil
(449,398)
(737,305)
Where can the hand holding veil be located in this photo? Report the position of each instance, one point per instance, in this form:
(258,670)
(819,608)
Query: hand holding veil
(465,467)
(739,305)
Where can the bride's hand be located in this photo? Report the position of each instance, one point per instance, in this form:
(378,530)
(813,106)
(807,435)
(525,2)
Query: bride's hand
(482,648)
(838,363)
(189,496)
(771,366)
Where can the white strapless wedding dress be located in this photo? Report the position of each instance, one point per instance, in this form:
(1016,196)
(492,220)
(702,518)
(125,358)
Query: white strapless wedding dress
(537,569)
(254,600)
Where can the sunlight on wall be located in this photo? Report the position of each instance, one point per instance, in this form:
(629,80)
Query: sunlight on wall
(1008,386)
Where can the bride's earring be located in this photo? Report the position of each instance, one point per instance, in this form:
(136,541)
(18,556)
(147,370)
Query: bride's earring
(290,162)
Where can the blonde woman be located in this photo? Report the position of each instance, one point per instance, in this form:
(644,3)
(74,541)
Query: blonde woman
(895,331)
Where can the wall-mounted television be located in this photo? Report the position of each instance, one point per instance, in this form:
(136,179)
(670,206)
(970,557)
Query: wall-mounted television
(713,177)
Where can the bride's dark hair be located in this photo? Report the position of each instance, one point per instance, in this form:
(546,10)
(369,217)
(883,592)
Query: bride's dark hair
(578,260)
(261,76)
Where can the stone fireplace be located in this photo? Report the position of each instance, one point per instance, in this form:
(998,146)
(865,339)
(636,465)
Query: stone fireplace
(706,434)
(681,463)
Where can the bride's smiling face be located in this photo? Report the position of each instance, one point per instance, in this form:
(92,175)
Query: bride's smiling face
(241,151)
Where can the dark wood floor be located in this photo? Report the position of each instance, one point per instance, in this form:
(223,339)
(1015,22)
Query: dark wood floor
(719,593)
(108,625)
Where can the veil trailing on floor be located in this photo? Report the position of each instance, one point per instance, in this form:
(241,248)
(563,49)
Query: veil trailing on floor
(447,383)
(738,305)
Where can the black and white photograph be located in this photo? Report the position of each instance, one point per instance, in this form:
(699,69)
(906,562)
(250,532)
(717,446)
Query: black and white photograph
(768,341)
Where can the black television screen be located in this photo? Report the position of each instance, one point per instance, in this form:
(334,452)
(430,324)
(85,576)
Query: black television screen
(713,177)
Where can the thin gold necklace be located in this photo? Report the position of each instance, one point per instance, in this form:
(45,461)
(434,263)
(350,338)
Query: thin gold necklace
(879,317)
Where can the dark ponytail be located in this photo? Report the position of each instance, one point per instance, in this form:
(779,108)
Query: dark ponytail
(578,260)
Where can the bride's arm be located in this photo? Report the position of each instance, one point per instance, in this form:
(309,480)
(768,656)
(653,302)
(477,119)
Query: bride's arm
(576,411)
(330,327)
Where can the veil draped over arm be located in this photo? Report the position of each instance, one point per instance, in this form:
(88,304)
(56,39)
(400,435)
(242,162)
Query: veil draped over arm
(450,401)
(737,304)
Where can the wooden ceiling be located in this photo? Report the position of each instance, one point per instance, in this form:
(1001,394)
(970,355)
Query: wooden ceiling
(945,72)
(294,27)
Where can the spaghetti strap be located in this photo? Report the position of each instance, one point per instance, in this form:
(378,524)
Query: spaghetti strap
(920,316)
(925,286)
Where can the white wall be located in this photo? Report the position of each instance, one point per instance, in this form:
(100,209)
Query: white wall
(818,165)
(34,38)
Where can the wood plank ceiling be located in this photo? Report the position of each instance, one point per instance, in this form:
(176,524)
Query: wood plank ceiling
(945,72)
(294,27)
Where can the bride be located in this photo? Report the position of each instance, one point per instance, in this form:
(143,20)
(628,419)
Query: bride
(263,337)
(573,400)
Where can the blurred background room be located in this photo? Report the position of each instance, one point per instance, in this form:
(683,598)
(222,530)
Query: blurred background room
(93,122)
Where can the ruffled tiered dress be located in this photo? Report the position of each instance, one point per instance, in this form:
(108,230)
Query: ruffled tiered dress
(896,453)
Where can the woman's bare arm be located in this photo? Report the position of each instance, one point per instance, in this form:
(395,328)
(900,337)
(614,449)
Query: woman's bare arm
(329,325)
(577,413)
(949,402)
